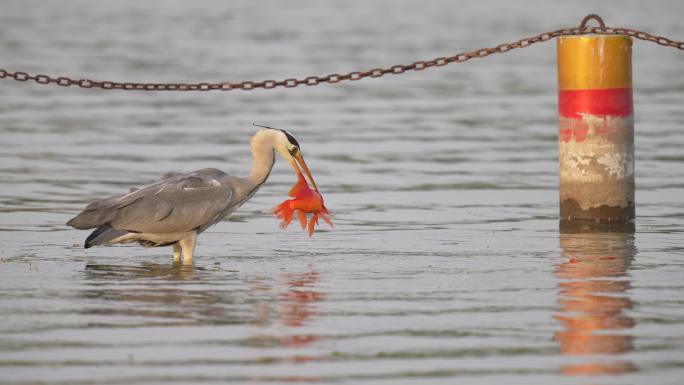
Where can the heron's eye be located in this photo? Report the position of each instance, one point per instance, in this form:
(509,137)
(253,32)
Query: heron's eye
(294,150)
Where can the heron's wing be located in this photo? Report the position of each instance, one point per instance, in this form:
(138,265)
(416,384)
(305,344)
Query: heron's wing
(177,204)
(101,212)
(135,193)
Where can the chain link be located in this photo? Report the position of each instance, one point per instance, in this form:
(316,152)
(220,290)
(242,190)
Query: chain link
(22,76)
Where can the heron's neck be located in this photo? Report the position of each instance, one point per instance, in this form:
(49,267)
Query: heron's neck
(263,159)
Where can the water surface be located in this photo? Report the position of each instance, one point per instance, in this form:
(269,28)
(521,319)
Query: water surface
(446,264)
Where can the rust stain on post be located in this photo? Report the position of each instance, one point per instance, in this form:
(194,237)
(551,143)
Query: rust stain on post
(596,129)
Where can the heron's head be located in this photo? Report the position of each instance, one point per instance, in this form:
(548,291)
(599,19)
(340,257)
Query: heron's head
(287,146)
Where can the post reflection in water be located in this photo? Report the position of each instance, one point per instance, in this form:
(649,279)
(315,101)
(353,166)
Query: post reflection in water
(593,299)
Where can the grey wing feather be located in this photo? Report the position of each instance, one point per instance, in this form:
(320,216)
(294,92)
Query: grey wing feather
(102,235)
(103,211)
(176,204)
(177,207)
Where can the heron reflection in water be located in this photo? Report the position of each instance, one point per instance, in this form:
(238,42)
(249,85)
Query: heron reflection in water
(592,301)
(178,207)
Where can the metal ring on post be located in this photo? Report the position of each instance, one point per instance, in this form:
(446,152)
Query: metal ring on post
(599,20)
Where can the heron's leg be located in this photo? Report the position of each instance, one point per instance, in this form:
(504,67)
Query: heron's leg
(187,244)
(176,252)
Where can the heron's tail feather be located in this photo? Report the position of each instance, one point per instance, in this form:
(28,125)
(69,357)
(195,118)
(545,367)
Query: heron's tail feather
(102,235)
(90,219)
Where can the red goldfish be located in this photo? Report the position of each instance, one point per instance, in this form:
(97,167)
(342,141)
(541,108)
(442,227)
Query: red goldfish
(305,201)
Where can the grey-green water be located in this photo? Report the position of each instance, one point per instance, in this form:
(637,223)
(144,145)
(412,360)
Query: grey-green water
(446,264)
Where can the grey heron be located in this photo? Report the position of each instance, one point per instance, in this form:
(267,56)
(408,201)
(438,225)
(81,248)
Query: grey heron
(178,207)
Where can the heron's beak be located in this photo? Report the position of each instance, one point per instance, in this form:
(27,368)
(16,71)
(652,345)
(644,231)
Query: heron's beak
(299,164)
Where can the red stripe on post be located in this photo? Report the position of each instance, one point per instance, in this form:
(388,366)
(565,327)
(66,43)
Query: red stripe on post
(614,101)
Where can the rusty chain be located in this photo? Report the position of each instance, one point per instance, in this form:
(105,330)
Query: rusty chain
(22,76)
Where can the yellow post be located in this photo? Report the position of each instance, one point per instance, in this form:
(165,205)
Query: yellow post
(596,129)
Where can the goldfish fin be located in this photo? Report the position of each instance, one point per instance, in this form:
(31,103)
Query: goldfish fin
(302,218)
(312,225)
(325,217)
